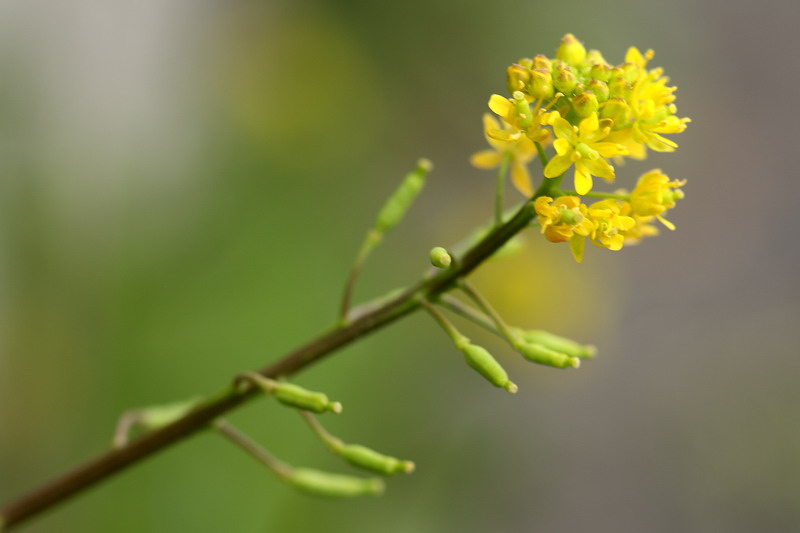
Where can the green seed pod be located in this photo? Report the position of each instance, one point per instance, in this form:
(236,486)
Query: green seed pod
(440,258)
(296,396)
(396,206)
(368,459)
(333,485)
(487,366)
(559,344)
(545,356)
(159,416)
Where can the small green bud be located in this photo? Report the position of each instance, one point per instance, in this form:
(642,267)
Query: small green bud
(333,485)
(617,110)
(571,50)
(631,72)
(600,72)
(545,356)
(564,79)
(487,366)
(396,206)
(440,258)
(594,57)
(296,396)
(368,459)
(600,90)
(541,62)
(541,84)
(559,344)
(618,87)
(585,104)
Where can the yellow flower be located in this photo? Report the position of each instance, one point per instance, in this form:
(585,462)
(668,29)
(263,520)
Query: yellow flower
(520,151)
(582,146)
(654,194)
(518,114)
(611,221)
(565,219)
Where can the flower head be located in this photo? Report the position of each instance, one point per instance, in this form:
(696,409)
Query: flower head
(565,219)
(520,150)
(655,193)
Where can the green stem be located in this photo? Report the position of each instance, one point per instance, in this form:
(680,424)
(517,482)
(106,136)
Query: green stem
(487,308)
(470,313)
(446,325)
(281,469)
(501,184)
(542,155)
(329,440)
(590,194)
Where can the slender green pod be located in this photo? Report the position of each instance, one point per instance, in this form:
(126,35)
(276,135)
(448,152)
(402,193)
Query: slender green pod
(545,356)
(559,344)
(482,361)
(398,203)
(369,459)
(321,483)
(296,396)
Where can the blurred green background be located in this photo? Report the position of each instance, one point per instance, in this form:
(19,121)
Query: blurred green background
(184,184)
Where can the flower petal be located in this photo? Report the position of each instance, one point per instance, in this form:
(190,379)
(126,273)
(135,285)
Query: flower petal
(564,130)
(501,105)
(557,166)
(599,167)
(576,244)
(521,179)
(583,181)
(589,125)
(485,159)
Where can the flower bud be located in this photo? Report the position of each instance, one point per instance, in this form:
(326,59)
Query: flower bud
(487,366)
(564,79)
(571,50)
(594,57)
(541,86)
(396,206)
(545,356)
(559,344)
(517,77)
(333,485)
(585,104)
(296,396)
(542,62)
(617,110)
(618,87)
(440,258)
(600,72)
(368,459)
(600,90)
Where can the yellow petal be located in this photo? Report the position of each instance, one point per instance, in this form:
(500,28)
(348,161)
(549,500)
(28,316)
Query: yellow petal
(562,146)
(557,166)
(501,105)
(504,135)
(583,181)
(564,130)
(598,167)
(576,244)
(666,222)
(490,123)
(521,179)
(589,125)
(486,159)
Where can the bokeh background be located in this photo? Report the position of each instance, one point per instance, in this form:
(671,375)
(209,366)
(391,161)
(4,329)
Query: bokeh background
(183,185)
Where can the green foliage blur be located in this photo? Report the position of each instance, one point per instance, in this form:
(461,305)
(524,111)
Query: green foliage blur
(183,188)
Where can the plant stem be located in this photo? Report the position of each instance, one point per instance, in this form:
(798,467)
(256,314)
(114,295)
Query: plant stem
(501,184)
(281,469)
(487,308)
(470,313)
(113,461)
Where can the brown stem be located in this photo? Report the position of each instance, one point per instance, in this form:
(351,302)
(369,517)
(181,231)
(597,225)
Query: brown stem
(109,463)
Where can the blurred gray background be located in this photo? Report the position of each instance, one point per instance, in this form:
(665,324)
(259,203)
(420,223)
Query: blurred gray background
(184,184)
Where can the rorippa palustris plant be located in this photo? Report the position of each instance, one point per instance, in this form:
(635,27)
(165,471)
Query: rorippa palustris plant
(579,116)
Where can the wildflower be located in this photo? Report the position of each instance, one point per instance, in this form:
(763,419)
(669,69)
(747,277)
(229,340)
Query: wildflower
(611,221)
(520,150)
(583,146)
(565,219)
(654,194)
(643,228)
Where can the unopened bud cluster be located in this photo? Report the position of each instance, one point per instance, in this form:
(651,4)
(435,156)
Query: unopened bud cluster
(594,114)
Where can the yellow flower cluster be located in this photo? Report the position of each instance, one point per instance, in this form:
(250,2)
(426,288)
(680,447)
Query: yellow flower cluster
(594,115)
(612,222)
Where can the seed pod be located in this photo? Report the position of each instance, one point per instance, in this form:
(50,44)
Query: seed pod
(368,459)
(545,356)
(481,360)
(559,344)
(396,206)
(296,396)
(333,485)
